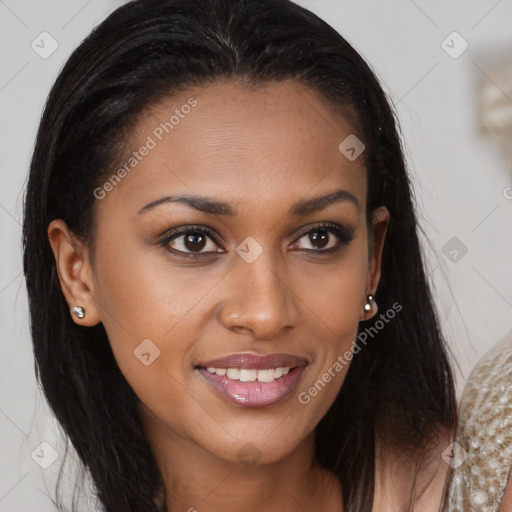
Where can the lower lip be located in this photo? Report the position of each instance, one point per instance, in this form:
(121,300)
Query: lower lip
(254,394)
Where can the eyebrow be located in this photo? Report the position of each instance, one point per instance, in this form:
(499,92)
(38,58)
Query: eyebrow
(217,207)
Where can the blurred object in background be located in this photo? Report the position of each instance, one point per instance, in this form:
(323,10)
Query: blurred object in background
(495,102)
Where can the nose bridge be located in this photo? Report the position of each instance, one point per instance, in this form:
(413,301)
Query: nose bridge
(258,297)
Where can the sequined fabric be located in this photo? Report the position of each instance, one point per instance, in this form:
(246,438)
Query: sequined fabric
(481,470)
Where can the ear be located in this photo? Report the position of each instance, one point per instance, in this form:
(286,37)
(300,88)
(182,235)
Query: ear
(74,271)
(377,235)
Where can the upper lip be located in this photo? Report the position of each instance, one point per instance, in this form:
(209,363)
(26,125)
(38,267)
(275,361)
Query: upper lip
(256,362)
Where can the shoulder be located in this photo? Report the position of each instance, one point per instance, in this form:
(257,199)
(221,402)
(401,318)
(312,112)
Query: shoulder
(487,377)
(486,397)
(484,436)
(405,477)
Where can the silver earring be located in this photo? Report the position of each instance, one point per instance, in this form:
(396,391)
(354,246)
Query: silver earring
(78,311)
(369,303)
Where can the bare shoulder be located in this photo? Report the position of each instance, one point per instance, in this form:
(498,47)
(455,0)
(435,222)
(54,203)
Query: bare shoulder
(399,477)
(506,504)
(434,477)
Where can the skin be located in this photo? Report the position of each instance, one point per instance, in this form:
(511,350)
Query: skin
(506,504)
(261,151)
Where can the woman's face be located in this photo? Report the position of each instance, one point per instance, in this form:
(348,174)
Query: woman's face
(243,281)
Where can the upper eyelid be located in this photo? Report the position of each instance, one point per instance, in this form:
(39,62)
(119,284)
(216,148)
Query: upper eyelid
(327,225)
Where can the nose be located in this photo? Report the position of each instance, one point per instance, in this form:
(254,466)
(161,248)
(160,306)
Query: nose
(259,299)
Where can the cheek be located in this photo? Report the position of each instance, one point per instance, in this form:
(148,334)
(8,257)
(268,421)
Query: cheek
(334,294)
(335,305)
(147,312)
(144,306)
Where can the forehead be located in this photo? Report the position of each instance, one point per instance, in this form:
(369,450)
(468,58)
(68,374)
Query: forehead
(227,140)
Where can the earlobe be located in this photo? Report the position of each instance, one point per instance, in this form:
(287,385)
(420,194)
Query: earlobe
(74,271)
(369,309)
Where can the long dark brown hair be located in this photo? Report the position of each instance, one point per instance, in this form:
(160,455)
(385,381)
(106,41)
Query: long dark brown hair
(399,388)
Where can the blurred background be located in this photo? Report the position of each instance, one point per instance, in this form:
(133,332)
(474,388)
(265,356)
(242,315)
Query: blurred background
(447,68)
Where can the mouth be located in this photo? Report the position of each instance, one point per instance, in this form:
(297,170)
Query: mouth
(250,380)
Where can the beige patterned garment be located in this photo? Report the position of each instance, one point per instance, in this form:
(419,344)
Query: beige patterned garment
(483,444)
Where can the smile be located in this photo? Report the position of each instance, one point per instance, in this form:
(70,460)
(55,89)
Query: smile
(249,380)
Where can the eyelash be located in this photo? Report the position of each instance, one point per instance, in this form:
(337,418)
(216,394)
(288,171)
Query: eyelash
(345,235)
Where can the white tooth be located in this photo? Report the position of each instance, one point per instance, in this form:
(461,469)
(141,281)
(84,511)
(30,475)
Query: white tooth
(248,375)
(233,373)
(211,370)
(266,375)
(278,373)
(245,375)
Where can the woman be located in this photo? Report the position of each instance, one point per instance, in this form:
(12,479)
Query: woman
(480,480)
(217,198)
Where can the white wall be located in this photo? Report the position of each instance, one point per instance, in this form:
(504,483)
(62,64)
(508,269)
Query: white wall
(459,177)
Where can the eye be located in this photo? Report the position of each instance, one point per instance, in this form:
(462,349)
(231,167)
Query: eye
(190,240)
(320,237)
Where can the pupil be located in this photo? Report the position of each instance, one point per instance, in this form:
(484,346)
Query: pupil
(194,241)
(323,238)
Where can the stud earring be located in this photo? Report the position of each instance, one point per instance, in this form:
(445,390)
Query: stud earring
(78,311)
(370,301)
